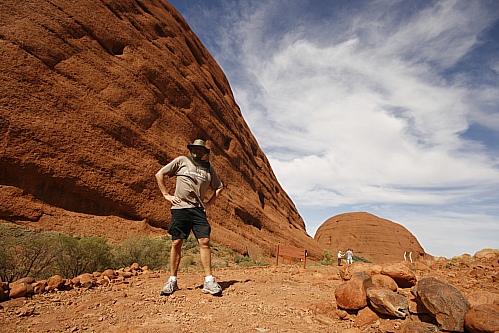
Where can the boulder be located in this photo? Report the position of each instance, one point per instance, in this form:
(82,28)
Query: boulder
(384,281)
(20,290)
(482,297)
(444,302)
(482,318)
(365,316)
(402,273)
(351,295)
(55,282)
(387,302)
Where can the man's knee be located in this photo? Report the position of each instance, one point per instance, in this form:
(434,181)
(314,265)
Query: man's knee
(177,243)
(204,242)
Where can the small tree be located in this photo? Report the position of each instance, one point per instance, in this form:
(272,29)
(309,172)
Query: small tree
(82,255)
(152,252)
(328,258)
(25,254)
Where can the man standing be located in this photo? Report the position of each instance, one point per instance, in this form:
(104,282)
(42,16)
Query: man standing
(340,256)
(349,256)
(194,175)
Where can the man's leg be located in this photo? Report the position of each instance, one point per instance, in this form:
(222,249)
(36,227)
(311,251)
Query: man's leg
(205,252)
(210,285)
(175,254)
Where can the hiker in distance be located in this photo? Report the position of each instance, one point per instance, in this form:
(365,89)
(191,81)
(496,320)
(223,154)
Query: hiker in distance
(349,256)
(194,175)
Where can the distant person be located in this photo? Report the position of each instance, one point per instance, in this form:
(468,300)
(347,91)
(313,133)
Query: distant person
(340,256)
(349,256)
(194,175)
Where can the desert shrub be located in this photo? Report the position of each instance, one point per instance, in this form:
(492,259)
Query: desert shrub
(190,245)
(361,259)
(188,262)
(240,259)
(328,258)
(40,255)
(221,249)
(24,253)
(151,252)
(246,261)
(79,255)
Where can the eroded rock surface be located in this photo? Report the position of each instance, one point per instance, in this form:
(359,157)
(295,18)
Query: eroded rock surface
(375,239)
(98,95)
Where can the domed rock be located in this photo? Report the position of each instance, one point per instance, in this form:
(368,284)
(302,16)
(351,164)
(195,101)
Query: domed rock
(375,239)
(96,98)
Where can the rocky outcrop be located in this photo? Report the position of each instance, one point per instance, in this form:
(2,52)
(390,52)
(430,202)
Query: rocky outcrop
(430,300)
(96,97)
(375,239)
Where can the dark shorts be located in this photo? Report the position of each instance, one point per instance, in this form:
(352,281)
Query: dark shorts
(187,219)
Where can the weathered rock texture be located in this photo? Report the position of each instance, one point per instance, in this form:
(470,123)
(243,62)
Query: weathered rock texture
(376,239)
(95,97)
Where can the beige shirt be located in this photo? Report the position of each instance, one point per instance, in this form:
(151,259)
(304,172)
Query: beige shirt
(192,181)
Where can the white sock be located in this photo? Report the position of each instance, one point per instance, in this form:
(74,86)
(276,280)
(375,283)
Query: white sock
(172,278)
(209,278)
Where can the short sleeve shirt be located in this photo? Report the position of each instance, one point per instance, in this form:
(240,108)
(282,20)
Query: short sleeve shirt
(192,181)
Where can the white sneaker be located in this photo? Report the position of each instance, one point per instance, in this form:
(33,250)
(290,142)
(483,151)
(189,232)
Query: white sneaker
(169,288)
(211,287)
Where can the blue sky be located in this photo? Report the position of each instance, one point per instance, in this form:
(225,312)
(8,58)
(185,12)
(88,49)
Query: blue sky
(388,107)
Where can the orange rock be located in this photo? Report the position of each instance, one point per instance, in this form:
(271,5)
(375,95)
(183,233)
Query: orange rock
(403,274)
(20,290)
(375,239)
(482,318)
(384,281)
(365,317)
(351,295)
(96,107)
(55,282)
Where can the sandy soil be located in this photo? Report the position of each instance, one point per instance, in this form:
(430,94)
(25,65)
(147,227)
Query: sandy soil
(281,298)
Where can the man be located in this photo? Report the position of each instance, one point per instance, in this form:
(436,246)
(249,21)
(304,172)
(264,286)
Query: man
(194,175)
(340,256)
(349,256)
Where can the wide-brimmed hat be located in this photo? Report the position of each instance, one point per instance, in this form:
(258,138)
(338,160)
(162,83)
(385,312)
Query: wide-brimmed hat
(198,143)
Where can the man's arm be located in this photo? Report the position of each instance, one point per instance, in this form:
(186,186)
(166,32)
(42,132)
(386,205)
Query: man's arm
(214,197)
(160,177)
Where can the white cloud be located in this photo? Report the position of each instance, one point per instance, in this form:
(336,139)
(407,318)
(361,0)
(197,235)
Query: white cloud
(367,106)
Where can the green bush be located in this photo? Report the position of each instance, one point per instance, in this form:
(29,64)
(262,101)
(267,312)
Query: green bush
(82,255)
(361,259)
(246,261)
(151,252)
(328,258)
(24,254)
(40,255)
(190,245)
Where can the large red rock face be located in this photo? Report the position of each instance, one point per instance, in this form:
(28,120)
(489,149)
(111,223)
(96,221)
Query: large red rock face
(373,238)
(95,97)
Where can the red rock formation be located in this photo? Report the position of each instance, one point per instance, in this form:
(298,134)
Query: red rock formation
(96,96)
(373,238)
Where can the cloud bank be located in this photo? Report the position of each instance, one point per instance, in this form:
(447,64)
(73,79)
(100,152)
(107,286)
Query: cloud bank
(389,107)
